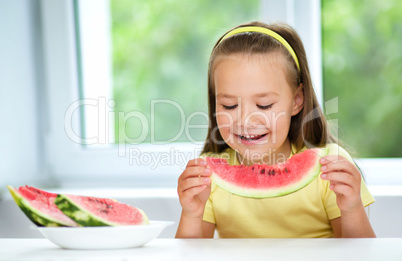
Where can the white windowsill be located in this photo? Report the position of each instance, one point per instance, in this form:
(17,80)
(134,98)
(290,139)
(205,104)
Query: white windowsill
(386,190)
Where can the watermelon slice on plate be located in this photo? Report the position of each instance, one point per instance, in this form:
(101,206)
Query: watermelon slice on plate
(39,207)
(92,211)
(263,181)
(55,210)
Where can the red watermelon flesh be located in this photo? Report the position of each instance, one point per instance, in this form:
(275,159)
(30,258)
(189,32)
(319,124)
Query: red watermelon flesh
(39,206)
(261,181)
(92,211)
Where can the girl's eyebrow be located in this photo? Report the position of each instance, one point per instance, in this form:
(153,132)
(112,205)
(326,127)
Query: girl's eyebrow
(258,95)
(224,95)
(265,94)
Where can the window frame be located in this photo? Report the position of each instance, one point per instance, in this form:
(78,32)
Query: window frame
(70,162)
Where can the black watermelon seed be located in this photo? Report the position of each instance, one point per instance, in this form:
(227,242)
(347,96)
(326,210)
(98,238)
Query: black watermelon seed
(273,172)
(286,170)
(262,171)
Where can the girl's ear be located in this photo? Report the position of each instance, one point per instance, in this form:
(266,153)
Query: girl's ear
(298,100)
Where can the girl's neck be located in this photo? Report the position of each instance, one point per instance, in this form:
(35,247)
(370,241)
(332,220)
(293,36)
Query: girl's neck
(271,158)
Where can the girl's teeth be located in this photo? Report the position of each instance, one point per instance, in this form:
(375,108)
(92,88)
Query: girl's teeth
(250,136)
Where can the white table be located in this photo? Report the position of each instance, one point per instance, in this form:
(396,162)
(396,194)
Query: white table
(214,249)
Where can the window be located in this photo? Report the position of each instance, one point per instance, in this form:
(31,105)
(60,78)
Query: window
(76,153)
(362,68)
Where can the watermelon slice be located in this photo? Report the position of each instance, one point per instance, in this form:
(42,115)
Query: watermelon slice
(39,207)
(262,181)
(92,211)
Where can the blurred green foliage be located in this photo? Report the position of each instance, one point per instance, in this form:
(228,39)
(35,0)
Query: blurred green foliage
(362,61)
(160,52)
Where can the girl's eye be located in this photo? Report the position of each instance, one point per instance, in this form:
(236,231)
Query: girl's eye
(229,107)
(265,107)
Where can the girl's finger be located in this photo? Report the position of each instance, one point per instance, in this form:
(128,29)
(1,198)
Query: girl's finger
(195,171)
(331,159)
(197,162)
(191,192)
(341,165)
(341,189)
(194,182)
(339,177)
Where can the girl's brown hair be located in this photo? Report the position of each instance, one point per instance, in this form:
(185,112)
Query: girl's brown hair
(307,128)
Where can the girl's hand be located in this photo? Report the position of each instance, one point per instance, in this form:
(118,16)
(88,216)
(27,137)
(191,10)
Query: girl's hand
(345,181)
(194,188)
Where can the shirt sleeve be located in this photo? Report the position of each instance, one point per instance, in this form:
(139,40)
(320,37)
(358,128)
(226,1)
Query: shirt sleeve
(329,201)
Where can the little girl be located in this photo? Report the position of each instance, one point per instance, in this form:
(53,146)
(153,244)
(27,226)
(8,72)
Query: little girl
(261,103)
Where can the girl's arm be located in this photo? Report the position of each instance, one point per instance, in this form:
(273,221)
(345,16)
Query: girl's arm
(194,187)
(345,181)
(194,228)
(352,226)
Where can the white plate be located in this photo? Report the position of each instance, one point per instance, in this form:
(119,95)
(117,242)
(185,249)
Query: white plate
(104,237)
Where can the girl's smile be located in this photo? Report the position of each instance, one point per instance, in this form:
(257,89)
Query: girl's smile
(251,139)
(254,105)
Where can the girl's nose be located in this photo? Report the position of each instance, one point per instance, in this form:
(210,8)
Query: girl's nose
(251,117)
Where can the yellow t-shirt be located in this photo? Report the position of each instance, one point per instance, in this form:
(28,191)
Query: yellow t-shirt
(305,213)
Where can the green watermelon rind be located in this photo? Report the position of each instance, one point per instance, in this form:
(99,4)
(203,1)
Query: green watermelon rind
(79,215)
(38,217)
(264,193)
(86,218)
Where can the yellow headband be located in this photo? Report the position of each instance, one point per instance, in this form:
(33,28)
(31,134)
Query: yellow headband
(267,32)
